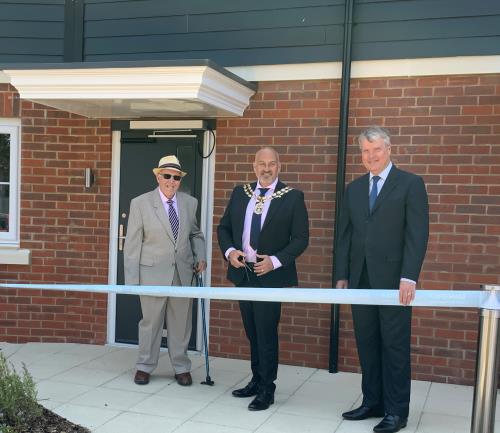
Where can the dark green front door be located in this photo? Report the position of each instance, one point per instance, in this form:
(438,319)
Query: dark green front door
(139,154)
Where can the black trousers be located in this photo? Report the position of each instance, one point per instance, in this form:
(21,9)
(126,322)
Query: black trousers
(383,338)
(260,320)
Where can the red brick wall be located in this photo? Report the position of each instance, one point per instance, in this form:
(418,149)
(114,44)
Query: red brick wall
(446,129)
(65,227)
(300,120)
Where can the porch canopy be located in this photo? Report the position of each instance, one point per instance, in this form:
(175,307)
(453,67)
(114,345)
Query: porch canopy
(131,90)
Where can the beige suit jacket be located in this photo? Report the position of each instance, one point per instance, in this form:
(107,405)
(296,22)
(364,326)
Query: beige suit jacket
(151,253)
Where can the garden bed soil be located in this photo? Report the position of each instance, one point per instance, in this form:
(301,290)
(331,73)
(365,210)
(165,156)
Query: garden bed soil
(50,422)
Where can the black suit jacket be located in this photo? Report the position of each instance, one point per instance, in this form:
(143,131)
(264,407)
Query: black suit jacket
(285,234)
(392,239)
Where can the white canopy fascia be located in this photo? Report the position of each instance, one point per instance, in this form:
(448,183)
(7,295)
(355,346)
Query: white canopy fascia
(198,91)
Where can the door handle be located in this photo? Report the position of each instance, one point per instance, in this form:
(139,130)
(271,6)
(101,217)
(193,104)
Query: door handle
(121,238)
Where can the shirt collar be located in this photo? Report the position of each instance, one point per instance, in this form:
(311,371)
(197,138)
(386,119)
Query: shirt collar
(384,173)
(271,187)
(164,198)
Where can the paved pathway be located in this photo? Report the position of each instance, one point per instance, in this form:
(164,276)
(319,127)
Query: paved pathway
(93,386)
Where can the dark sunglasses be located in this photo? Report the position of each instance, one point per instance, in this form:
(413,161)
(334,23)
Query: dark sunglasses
(168,176)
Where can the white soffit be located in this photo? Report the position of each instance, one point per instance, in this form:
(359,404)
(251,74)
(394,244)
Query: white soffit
(135,92)
(468,65)
(4,78)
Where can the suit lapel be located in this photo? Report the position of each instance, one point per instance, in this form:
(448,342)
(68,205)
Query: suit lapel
(389,185)
(360,194)
(182,208)
(162,215)
(242,209)
(274,205)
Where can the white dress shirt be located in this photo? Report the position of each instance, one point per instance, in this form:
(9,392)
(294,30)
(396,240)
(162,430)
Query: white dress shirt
(383,177)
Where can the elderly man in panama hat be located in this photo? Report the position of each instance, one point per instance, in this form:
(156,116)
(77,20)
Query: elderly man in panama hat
(163,247)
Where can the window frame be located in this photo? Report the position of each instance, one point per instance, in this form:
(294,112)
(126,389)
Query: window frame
(12,127)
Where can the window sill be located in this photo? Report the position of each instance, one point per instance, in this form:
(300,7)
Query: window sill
(15,256)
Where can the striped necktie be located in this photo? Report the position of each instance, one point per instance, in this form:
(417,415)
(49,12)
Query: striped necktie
(174,219)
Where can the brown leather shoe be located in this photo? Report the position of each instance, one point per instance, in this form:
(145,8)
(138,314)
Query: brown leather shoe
(184,379)
(141,377)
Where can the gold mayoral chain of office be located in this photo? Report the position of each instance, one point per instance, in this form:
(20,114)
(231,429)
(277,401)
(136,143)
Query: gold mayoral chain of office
(260,200)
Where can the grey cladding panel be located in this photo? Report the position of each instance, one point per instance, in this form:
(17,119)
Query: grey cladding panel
(30,58)
(428,48)
(138,26)
(296,17)
(99,10)
(238,31)
(32,30)
(33,2)
(408,10)
(427,29)
(24,11)
(243,32)
(256,56)
(40,46)
(212,41)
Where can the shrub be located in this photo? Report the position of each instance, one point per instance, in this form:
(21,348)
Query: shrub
(18,397)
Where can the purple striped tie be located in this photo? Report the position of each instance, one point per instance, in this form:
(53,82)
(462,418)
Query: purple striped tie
(174,219)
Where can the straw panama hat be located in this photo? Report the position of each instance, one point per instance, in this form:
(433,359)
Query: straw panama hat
(171,162)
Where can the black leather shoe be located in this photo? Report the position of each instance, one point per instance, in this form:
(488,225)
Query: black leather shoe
(263,400)
(248,391)
(390,424)
(363,412)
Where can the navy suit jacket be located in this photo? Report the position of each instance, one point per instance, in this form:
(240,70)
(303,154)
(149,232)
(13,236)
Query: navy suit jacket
(392,239)
(285,234)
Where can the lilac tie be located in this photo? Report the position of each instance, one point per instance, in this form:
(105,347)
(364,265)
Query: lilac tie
(174,219)
(256,223)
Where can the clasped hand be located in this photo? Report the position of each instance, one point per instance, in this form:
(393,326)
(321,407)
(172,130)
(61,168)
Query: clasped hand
(200,266)
(262,267)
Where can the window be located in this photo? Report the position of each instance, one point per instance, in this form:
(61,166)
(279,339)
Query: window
(9,177)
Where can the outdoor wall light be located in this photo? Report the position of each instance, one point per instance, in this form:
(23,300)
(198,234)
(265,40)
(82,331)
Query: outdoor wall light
(89,178)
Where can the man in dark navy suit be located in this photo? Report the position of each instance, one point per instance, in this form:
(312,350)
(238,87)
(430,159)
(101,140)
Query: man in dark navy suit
(384,227)
(264,229)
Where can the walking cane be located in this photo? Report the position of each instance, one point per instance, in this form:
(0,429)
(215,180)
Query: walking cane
(208,380)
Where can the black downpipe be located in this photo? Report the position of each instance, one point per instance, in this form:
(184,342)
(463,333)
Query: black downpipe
(73,30)
(341,163)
